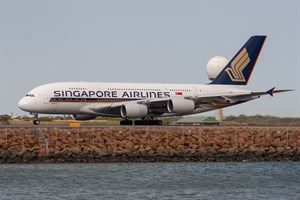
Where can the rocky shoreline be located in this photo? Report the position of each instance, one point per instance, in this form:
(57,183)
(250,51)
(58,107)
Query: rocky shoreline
(149,144)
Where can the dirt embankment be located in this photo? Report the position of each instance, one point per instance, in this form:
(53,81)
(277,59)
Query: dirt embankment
(148,144)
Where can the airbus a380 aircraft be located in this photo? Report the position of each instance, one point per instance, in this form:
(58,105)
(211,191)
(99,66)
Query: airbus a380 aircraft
(85,100)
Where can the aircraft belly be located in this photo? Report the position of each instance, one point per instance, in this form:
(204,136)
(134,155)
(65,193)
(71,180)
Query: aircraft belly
(69,108)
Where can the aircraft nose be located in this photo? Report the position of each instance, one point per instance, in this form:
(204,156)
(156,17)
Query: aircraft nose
(23,104)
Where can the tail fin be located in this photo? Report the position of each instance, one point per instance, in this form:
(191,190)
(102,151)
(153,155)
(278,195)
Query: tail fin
(238,71)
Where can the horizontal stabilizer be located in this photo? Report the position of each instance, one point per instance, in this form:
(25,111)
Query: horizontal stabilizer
(271,92)
(278,91)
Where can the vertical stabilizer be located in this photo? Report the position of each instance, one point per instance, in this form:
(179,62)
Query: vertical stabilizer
(238,71)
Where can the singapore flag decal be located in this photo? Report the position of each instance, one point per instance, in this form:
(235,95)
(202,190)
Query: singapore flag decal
(178,93)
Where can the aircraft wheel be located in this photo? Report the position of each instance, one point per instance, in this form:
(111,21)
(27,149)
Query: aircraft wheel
(126,122)
(148,122)
(140,122)
(137,122)
(36,122)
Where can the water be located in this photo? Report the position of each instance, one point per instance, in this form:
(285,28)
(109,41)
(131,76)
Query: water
(265,180)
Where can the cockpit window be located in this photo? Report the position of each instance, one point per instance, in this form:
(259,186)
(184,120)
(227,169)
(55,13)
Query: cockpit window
(29,95)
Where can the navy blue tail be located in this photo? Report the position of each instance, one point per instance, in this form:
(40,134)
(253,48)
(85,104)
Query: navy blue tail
(240,67)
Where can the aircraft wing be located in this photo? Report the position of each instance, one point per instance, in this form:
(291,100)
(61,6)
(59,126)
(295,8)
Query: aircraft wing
(159,106)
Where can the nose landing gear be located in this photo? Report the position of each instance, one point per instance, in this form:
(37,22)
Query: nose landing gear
(36,120)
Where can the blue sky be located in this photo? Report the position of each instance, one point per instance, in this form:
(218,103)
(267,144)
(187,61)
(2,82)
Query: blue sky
(147,41)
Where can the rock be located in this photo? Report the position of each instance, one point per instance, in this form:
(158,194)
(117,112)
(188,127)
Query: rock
(150,144)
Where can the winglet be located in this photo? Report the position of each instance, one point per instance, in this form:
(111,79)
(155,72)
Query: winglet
(271,91)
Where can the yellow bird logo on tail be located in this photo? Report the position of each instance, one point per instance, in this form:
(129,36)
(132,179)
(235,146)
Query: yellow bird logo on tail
(235,72)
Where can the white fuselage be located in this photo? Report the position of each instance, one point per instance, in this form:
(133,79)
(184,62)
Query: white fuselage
(78,97)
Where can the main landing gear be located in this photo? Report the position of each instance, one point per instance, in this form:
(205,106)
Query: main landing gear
(126,122)
(142,122)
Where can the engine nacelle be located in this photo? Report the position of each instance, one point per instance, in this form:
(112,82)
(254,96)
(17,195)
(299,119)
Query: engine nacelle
(181,106)
(134,110)
(83,117)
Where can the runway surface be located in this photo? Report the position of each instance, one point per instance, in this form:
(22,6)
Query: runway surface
(119,126)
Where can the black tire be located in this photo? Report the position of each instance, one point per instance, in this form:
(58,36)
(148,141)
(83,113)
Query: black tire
(137,122)
(148,122)
(159,122)
(126,122)
(36,122)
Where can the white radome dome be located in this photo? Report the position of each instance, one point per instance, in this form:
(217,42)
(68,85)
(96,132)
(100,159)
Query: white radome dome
(215,66)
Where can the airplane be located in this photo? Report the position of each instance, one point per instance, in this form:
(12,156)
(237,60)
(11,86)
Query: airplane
(148,102)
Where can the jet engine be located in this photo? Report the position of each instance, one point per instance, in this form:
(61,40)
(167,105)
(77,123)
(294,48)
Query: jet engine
(180,106)
(134,110)
(83,117)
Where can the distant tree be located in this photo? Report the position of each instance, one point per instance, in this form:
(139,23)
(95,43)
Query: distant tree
(4,119)
(259,120)
(46,119)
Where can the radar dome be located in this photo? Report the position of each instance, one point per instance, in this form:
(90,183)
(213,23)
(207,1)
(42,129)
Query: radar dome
(215,66)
